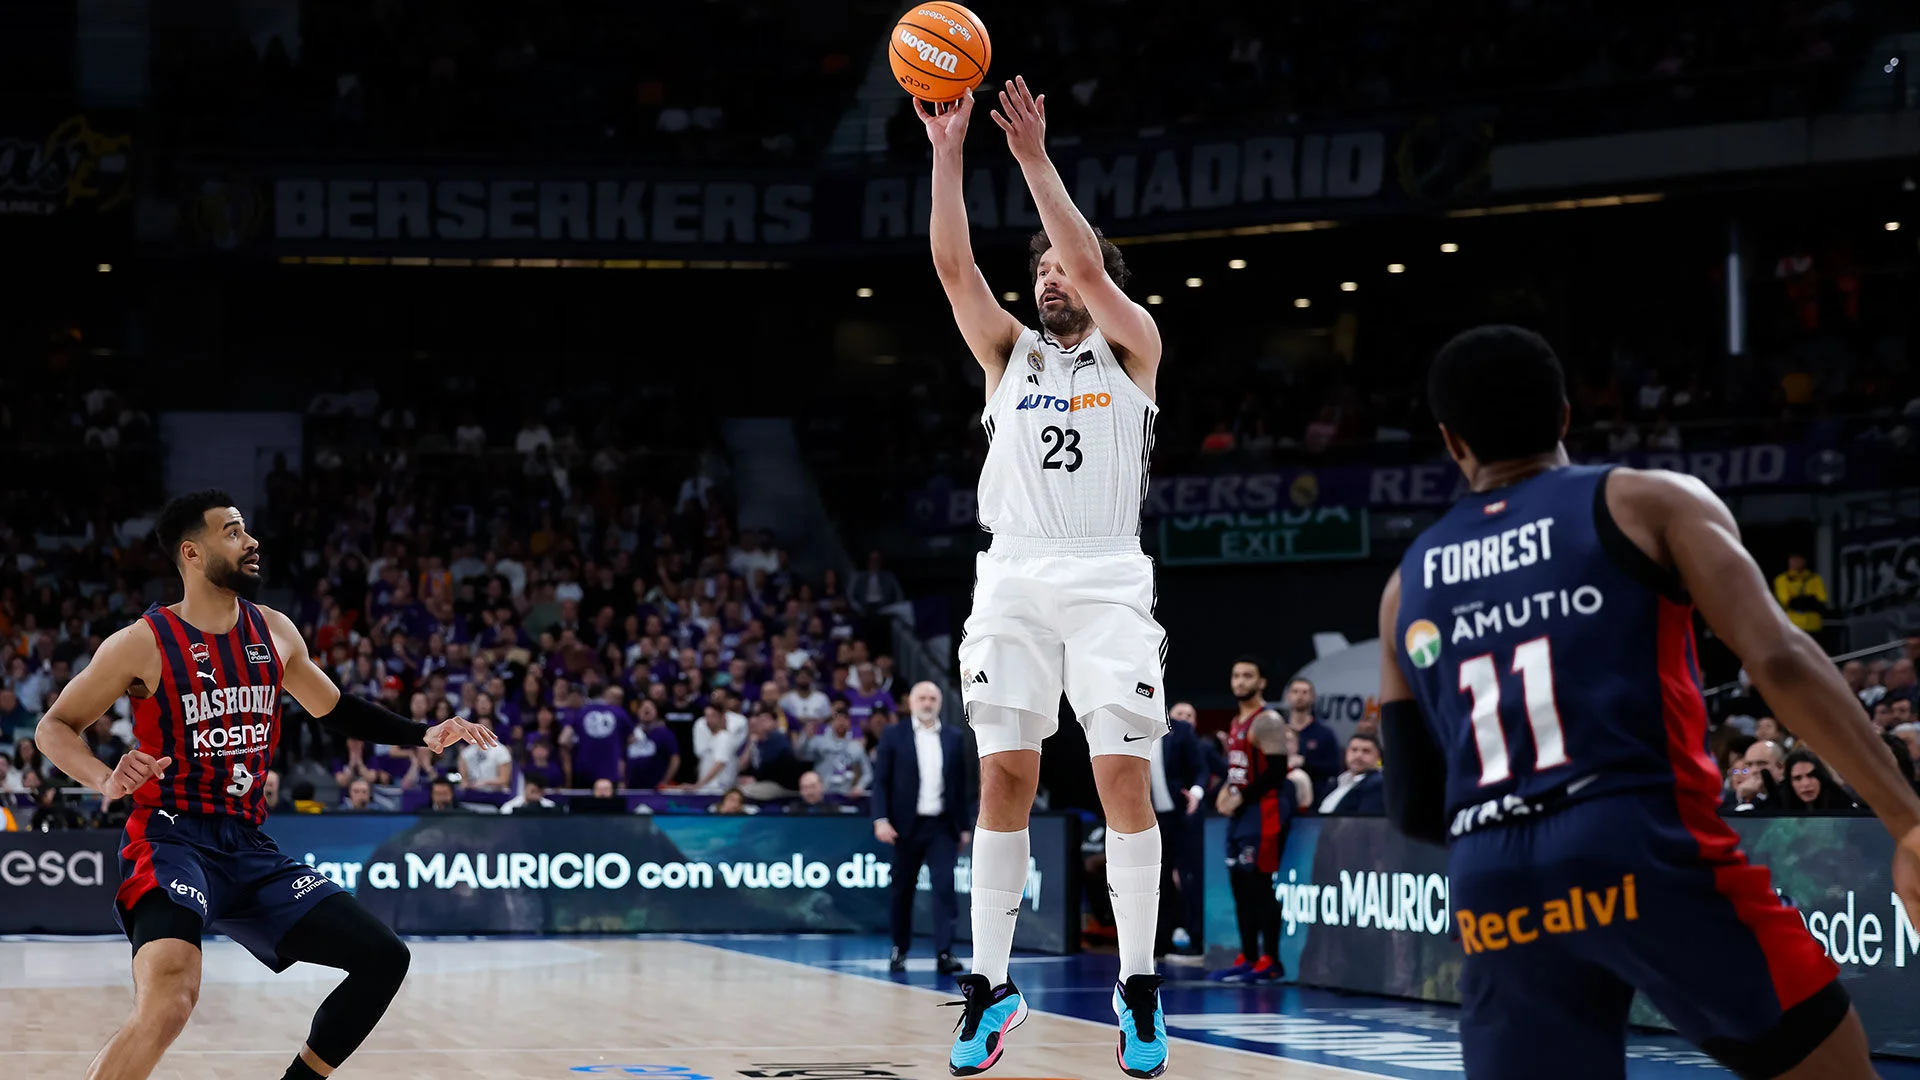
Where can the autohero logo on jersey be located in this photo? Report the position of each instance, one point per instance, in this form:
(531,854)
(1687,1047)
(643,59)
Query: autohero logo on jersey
(1064,404)
(53,868)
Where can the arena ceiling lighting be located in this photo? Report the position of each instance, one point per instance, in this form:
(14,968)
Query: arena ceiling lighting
(1396,268)
(1009,295)
(1349,286)
(1194,283)
(1236,264)
(863,292)
(1448,249)
(1156,298)
(105,268)
(1303,302)
(1892,226)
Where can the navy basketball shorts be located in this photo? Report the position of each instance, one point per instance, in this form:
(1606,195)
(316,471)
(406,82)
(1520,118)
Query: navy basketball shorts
(1563,917)
(223,870)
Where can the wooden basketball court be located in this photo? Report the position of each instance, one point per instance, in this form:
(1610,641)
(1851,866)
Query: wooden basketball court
(546,1009)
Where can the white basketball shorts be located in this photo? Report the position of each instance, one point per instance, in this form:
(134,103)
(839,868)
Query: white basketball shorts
(1072,615)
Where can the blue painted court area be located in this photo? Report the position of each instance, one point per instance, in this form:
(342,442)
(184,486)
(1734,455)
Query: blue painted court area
(1374,1036)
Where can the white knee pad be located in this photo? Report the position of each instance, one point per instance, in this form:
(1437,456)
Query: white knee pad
(999,728)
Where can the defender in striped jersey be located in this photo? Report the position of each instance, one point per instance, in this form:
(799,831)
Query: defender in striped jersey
(206,675)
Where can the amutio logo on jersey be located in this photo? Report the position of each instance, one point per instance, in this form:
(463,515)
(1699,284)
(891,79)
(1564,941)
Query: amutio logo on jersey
(1502,553)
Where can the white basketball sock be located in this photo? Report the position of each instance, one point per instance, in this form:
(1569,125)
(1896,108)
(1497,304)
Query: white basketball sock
(1133,878)
(999,877)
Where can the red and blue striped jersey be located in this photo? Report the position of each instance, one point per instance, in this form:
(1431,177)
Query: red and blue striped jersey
(1552,658)
(216,713)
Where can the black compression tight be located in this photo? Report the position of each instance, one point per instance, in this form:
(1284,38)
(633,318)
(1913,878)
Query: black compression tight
(339,933)
(1258,912)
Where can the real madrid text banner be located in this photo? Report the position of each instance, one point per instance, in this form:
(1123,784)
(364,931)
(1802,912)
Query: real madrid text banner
(563,210)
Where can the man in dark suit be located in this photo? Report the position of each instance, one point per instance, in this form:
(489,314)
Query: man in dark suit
(1359,790)
(1178,775)
(921,806)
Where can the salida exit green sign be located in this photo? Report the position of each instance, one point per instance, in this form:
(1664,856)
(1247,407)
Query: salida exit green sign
(1325,532)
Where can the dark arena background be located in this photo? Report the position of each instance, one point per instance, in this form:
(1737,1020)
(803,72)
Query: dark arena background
(554,349)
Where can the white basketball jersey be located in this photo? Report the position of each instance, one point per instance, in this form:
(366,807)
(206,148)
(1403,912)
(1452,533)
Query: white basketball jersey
(1069,437)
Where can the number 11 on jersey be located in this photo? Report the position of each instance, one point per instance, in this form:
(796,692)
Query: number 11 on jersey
(1533,662)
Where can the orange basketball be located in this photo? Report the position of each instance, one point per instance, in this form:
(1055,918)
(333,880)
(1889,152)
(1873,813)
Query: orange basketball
(939,51)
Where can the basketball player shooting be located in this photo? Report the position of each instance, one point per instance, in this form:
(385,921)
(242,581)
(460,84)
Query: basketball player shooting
(206,675)
(1064,598)
(1541,707)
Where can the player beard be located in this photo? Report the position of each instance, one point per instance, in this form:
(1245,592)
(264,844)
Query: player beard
(234,578)
(1066,320)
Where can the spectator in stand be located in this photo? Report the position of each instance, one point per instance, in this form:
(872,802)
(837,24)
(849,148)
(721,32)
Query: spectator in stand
(653,754)
(600,731)
(541,765)
(1803,593)
(767,761)
(1758,780)
(1769,729)
(1899,682)
(303,800)
(1359,790)
(357,766)
(716,746)
(805,704)
(532,793)
(813,798)
(15,720)
(1319,748)
(441,801)
(277,802)
(486,768)
(359,796)
(865,696)
(875,589)
(1811,787)
(839,756)
(1909,734)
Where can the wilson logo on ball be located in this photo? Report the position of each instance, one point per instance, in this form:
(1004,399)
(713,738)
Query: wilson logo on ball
(930,53)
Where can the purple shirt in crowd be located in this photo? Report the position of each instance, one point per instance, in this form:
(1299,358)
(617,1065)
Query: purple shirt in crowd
(548,774)
(860,705)
(602,731)
(648,755)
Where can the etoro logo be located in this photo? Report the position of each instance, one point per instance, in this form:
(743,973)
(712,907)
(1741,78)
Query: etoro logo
(189,892)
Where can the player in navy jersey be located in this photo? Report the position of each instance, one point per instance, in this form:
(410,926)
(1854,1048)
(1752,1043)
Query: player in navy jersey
(1541,707)
(206,676)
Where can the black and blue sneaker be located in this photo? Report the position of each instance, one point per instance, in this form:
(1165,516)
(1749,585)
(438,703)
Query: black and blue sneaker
(1143,1027)
(989,1014)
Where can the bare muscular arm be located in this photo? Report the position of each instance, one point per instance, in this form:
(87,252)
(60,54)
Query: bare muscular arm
(130,658)
(987,327)
(1681,523)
